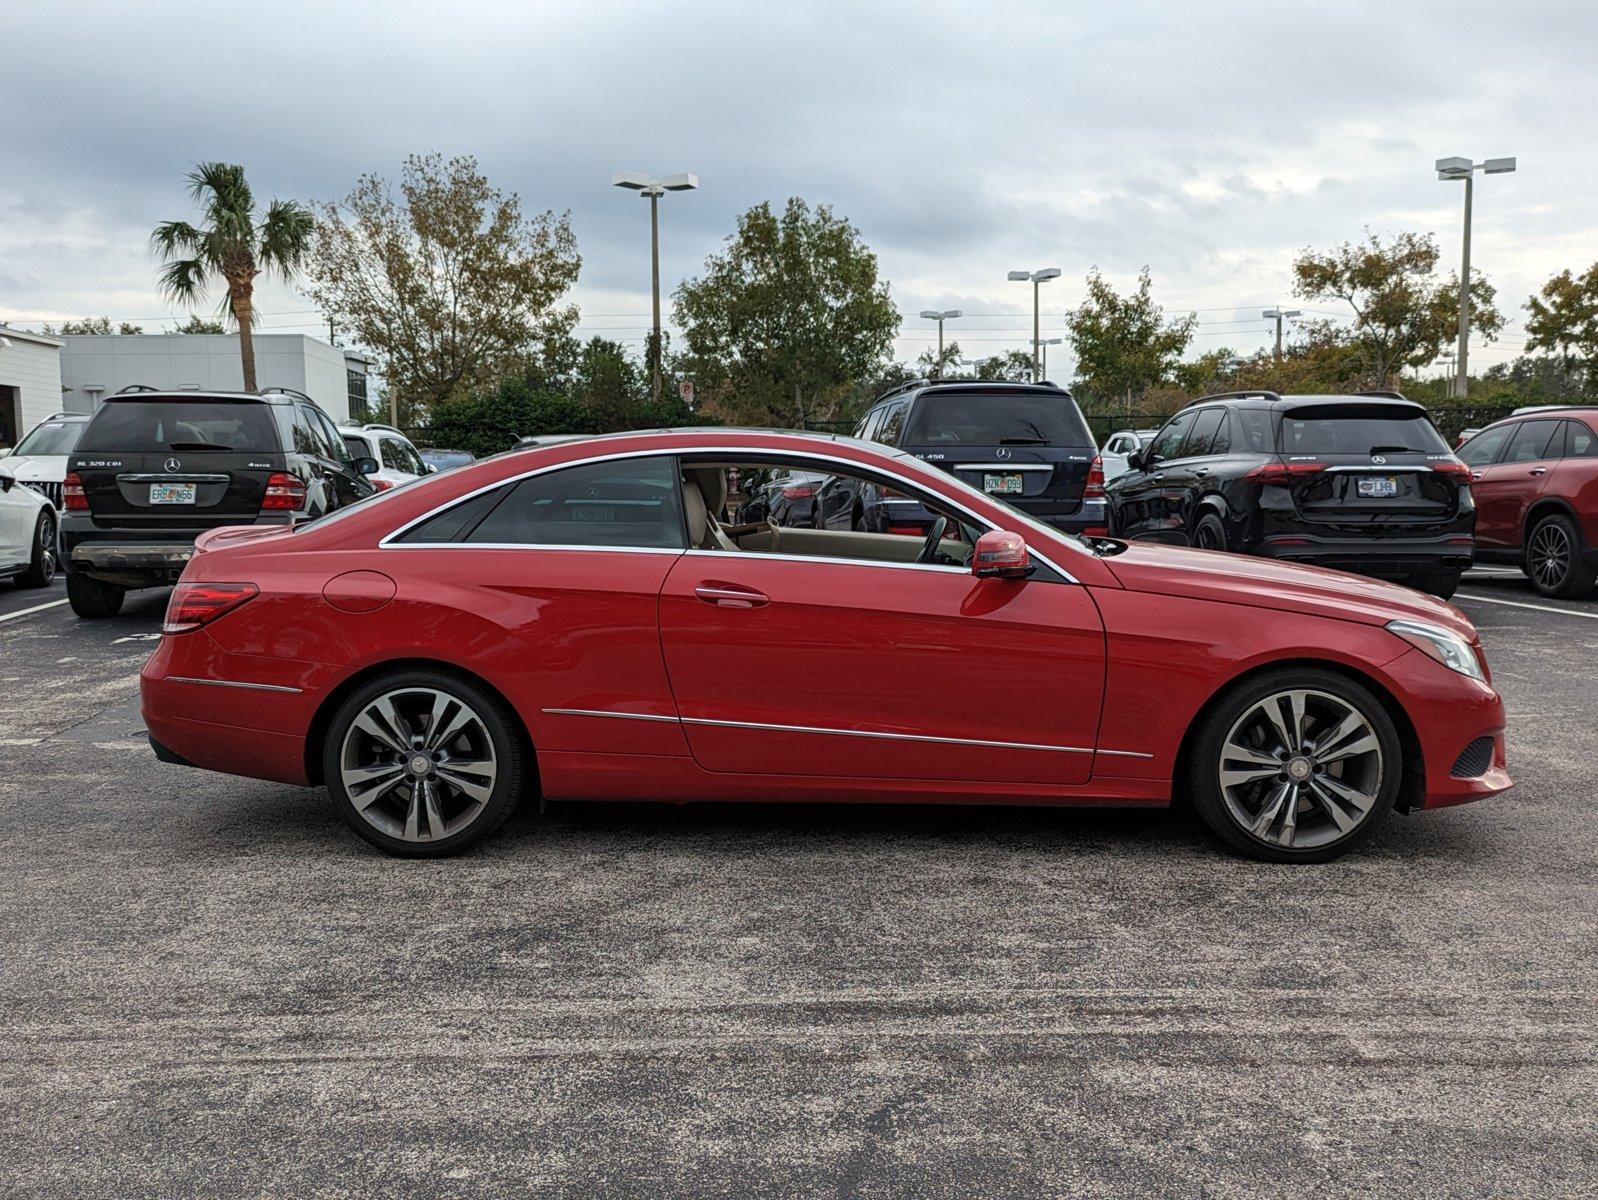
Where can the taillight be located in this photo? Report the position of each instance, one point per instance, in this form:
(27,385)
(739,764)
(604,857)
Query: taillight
(382,485)
(1283,473)
(1095,484)
(907,530)
(195,604)
(284,493)
(72,497)
(1454,469)
(798,493)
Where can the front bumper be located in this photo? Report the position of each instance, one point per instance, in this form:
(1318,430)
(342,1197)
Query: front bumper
(1448,712)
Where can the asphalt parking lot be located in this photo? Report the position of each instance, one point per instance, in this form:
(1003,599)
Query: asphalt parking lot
(211,988)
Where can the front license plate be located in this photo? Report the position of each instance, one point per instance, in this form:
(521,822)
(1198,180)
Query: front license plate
(1378,487)
(171,493)
(1002,485)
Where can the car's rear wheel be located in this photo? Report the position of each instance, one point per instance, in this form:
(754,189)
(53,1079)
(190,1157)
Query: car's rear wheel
(1554,561)
(1296,766)
(41,567)
(93,598)
(1209,533)
(423,763)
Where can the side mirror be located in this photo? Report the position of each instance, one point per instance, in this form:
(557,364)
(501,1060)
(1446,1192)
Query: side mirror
(1134,460)
(1000,554)
(7,480)
(367,466)
(432,470)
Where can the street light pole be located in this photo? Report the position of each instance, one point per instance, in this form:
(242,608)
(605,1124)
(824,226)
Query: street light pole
(647,185)
(1279,315)
(1451,169)
(1038,278)
(940,316)
(1043,344)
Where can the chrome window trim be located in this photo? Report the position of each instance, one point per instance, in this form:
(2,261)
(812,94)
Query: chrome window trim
(387,542)
(176,477)
(763,556)
(233,683)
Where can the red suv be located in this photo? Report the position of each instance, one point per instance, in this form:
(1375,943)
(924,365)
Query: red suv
(1535,478)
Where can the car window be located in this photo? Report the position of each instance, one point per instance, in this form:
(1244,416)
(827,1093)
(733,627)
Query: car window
(1253,427)
(1483,449)
(388,450)
(986,418)
(1530,443)
(867,429)
(1202,432)
(356,445)
(51,438)
(1168,441)
(453,524)
(1360,429)
(332,439)
(622,502)
(156,426)
(1221,443)
(1580,441)
(412,460)
(892,424)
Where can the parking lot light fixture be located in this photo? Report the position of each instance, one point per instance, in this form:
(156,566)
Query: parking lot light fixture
(648,185)
(1037,278)
(940,316)
(1452,170)
(1044,345)
(1280,315)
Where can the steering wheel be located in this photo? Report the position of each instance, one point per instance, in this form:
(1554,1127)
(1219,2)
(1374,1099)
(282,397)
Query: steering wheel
(929,551)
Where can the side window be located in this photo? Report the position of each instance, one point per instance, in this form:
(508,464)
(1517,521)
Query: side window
(1483,449)
(356,446)
(892,425)
(330,433)
(867,429)
(413,461)
(1168,442)
(634,502)
(308,435)
(1530,442)
(389,449)
(1580,442)
(1198,439)
(1251,428)
(1222,442)
(453,524)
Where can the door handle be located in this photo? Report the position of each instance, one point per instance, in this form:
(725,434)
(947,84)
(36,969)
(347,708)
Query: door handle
(731,596)
(1160,478)
(1539,470)
(1202,472)
(1475,476)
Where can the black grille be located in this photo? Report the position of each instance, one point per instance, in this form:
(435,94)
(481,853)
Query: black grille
(1474,759)
(50,491)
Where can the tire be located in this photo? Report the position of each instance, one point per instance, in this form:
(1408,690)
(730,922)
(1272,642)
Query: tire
(1210,533)
(1441,584)
(42,567)
(1553,559)
(389,809)
(1326,820)
(91,598)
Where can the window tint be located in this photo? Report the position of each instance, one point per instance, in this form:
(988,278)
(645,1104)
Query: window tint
(1483,449)
(867,429)
(332,438)
(1205,423)
(1530,442)
(627,502)
(961,417)
(1359,429)
(1253,426)
(156,426)
(1580,442)
(892,424)
(453,524)
(1169,440)
(357,446)
(1221,443)
(389,449)
(413,461)
(50,438)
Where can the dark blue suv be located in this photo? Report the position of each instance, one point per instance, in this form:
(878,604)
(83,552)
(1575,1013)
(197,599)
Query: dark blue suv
(1023,443)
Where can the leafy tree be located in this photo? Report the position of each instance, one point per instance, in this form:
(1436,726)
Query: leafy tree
(930,365)
(99,326)
(1564,319)
(450,287)
(1404,314)
(232,248)
(1124,346)
(788,318)
(1014,366)
(199,324)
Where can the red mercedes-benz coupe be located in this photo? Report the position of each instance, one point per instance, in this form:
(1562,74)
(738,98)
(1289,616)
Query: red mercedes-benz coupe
(582,620)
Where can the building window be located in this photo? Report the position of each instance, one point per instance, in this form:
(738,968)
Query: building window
(357,395)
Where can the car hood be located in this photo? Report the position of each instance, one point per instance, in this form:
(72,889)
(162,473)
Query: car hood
(51,468)
(1265,583)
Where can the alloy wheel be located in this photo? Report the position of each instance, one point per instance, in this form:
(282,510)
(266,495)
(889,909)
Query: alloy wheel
(47,556)
(1550,555)
(1301,769)
(418,764)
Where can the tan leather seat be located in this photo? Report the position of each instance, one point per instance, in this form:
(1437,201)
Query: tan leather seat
(704,533)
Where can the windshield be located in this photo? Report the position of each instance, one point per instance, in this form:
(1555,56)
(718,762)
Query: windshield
(1359,429)
(156,426)
(1004,419)
(52,437)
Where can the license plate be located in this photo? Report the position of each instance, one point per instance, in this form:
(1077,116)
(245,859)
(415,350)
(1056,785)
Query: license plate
(1378,487)
(1002,485)
(171,493)
(594,512)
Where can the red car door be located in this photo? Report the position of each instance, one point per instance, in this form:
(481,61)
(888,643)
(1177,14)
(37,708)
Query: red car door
(1505,490)
(1575,477)
(843,667)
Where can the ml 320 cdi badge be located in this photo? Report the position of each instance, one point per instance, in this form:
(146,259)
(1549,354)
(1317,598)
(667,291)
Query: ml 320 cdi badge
(583,620)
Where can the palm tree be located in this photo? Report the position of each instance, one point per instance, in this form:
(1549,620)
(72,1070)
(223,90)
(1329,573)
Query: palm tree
(232,247)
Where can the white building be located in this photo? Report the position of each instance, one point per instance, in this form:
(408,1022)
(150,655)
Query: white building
(30,381)
(94,366)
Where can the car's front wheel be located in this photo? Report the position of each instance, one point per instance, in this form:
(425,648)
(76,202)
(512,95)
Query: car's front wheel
(41,567)
(1296,766)
(92,598)
(423,763)
(1554,561)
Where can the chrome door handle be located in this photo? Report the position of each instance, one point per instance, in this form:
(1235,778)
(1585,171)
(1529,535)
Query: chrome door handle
(1475,476)
(731,597)
(1160,478)
(1539,470)
(1202,472)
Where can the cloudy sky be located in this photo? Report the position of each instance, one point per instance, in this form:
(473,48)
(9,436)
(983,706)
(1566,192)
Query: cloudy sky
(1208,141)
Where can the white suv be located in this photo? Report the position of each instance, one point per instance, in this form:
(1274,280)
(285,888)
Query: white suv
(40,459)
(29,547)
(400,463)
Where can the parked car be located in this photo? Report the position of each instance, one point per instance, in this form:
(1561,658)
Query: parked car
(154,470)
(1118,445)
(1025,444)
(398,460)
(28,525)
(445,460)
(572,620)
(787,498)
(1360,483)
(1535,479)
(40,458)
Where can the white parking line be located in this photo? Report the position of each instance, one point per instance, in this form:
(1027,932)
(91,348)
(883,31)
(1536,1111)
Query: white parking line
(26,612)
(1564,612)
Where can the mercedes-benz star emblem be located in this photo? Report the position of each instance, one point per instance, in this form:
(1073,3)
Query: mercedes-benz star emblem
(1377,458)
(1001,452)
(173,464)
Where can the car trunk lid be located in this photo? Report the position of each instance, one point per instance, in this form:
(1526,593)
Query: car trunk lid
(1366,465)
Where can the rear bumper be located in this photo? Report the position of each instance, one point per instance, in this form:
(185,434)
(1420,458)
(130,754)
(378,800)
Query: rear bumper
(133,557)
(1388,557)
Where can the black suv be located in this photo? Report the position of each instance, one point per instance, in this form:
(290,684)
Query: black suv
(1361,483)
(1023,443)
(154,470)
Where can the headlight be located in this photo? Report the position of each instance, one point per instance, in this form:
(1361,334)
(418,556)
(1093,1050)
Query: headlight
(1448,648)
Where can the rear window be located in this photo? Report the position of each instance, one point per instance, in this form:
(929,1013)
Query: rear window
(156,426)
(996,419)
(1362,430)
(52,437)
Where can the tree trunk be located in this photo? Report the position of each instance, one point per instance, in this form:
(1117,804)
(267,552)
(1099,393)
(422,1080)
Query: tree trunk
(243,314)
